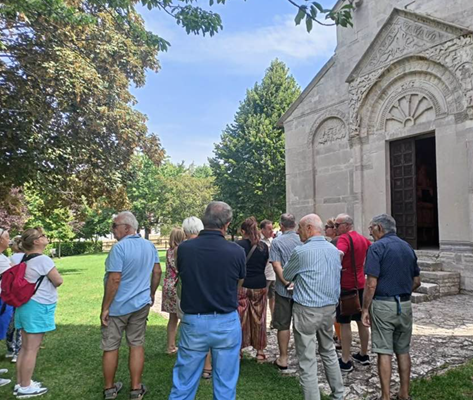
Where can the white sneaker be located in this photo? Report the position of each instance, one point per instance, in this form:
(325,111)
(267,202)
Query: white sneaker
(14,359)
(3,371)
(30,391)
(4,382)
(17,386)
(9,354)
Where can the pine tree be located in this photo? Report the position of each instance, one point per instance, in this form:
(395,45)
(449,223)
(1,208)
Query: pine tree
(249,162)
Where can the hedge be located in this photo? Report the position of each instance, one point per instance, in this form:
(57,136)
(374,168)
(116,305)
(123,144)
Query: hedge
(74,248)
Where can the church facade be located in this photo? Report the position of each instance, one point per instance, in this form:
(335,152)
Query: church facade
(386,126)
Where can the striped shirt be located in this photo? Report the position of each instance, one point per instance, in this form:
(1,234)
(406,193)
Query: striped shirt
(281,250)
(315,270)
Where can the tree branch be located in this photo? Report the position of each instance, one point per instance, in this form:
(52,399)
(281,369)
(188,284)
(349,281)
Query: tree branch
(307,14)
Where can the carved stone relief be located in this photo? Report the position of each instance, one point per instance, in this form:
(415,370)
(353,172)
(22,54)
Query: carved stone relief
(407,111)
(329,127)
(331,130)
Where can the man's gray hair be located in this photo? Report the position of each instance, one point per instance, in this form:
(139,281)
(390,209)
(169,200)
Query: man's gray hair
(192,226)
(346,218)
(127,217)
(288,221)
(217,215)
(387,222)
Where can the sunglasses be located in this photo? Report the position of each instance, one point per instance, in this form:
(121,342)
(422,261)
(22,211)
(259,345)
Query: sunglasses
(115,226)
(329,226)
(342,223)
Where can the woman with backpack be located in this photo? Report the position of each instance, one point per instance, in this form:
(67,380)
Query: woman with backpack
(35,317)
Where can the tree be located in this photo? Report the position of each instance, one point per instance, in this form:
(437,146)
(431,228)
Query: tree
(249,161)
(13,211)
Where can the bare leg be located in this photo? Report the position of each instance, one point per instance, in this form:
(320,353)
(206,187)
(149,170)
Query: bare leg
(136,363)
(19,361)
(271,303)
(109,365)
(208,362)
(283,342)
(172,330)
(346,342)
(384,370)
(29,352)
(364,333)
(404,364)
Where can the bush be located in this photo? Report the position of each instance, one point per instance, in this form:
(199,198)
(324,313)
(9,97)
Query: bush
(75,248)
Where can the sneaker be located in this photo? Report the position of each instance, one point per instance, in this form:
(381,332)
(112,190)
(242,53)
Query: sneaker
(3,371)
(30,391)
(345,366)
(17,386)
(9,354)
(363,360)
(14,359)
(4,382)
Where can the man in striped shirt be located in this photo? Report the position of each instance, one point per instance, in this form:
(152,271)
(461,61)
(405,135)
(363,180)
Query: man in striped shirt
(315,270)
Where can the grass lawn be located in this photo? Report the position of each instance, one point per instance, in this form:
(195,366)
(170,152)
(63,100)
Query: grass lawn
(69,363)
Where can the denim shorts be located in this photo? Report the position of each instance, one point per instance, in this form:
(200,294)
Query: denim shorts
(34,317)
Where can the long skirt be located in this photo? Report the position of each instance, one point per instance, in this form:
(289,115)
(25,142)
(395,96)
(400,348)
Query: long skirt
(252,312)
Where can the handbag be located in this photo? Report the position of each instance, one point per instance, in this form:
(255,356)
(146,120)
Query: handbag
(350,300)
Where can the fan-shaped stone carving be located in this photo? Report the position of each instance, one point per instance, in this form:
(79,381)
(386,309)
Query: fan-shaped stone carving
(408,111)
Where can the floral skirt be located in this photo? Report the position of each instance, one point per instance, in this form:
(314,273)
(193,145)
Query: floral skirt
(169,301)
(252,312)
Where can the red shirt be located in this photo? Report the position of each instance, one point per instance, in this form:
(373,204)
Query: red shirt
(361,245)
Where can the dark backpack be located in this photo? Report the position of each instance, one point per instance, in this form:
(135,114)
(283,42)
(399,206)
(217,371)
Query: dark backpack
(16,290)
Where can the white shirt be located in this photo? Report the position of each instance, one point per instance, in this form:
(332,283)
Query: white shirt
(16,258)
(268,271)
(37,267)
(4,264)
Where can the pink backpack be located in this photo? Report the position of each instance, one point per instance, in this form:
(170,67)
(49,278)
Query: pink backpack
(16,290)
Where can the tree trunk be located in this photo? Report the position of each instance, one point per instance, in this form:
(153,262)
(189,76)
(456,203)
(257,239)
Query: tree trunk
(147,231)
(59,249)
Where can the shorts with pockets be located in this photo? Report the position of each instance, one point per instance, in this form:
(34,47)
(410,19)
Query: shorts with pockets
(282,313)
(390,332)
(271,286)
(134,326)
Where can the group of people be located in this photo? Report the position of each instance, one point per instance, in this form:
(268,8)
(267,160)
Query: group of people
(24,327)
(220,292)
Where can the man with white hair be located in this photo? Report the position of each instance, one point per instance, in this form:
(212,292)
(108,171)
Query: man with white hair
(315,268)
(132,276)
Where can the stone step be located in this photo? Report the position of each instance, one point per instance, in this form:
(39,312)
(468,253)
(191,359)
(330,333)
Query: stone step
(419,298)
(448,282)
(428,255)
(432,290)
(428,265)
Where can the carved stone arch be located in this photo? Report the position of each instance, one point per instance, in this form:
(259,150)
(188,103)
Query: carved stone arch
(405,85)
(329,127)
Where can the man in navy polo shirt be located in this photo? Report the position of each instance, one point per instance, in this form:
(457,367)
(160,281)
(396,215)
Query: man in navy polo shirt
(210,269)
(393,274)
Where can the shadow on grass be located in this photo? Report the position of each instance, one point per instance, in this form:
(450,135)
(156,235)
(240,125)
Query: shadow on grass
(69,364)
(71,271)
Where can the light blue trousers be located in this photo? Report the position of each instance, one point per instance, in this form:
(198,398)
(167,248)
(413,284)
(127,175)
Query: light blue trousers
(219,333)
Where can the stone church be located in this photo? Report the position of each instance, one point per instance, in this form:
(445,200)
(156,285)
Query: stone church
(386,126)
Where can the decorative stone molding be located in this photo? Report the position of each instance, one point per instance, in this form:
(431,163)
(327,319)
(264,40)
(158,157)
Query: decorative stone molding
(328,128)
(404,33)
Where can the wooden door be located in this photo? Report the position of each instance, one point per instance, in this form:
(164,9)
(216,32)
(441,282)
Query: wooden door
(403,189)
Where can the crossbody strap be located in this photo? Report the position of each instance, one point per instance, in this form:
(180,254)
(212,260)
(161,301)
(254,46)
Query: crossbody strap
(27,258)
(353,263)
(250,253)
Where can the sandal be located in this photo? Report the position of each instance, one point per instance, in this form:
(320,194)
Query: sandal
(138,394)
(280,367)
(112,393)
(260,358)
(207,374)
(172,351)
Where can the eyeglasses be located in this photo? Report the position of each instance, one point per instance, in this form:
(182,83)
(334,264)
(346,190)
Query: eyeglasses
(338,224)
(115,226)
(329,227)
(371,227)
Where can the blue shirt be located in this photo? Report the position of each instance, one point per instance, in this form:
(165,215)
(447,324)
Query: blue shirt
(394,263)
(134,257)
(315,269)
(209,268)
(280,251)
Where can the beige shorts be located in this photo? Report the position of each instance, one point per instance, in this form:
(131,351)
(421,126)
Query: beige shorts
(390,332)
(134,325)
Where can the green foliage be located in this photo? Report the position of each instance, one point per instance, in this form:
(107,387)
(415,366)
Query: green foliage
(164,196)
(312,10)
(249,162)
(66,249)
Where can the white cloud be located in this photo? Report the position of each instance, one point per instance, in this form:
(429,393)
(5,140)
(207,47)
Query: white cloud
(251,51)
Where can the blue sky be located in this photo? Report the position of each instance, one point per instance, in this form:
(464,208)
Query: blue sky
(202,79)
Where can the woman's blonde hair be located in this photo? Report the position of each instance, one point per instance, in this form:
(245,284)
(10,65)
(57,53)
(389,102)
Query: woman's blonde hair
(28,237)
(176,237)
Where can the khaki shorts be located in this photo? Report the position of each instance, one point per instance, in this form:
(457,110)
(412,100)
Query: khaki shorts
(282,313)
(391,333)
(271,286)
(134,325)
